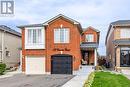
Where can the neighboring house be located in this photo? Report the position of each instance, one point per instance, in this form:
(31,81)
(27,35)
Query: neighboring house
(51,47)
(118,44)
(89,45)
(10,44)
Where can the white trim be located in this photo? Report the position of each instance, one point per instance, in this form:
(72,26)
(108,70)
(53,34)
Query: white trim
(89,37)
(66,38)
(36,45)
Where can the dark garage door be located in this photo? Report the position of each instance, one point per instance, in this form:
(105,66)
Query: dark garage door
(61,64)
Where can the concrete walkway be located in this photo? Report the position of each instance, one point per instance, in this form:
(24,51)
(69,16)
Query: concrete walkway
(80,78)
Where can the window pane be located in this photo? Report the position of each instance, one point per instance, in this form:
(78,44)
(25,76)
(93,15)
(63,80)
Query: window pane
(62,35)
(89,38)
(34,36)
(56,35)
(29,36)
(66,36)
(125,33)
(38,40)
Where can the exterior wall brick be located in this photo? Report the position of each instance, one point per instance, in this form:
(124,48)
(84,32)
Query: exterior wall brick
(110,48)
(90,31)
(118,57)
(117,33)
(73,46)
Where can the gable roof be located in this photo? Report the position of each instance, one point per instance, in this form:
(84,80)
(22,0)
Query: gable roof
(52,19)
(90,27)
(119,23)
(60,15)
(9,30)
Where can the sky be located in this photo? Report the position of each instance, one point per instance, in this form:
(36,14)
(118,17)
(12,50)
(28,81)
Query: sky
(96,13)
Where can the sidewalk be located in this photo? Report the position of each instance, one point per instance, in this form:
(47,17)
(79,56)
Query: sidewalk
(10,74)
(80,78)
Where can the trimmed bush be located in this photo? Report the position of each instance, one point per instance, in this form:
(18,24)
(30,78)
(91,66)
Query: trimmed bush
(2,68)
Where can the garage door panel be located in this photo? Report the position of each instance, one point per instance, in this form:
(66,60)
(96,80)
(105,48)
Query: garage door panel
(61,65)
(35,65)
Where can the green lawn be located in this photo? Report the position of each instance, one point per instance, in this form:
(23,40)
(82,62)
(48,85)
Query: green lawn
(106,79)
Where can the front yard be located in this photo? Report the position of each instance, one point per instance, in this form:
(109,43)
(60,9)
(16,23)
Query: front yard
(107,79)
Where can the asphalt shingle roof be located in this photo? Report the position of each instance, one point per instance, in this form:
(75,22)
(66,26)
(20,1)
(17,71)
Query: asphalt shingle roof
(89,45)
(9,30)
(121,42)
(121,22)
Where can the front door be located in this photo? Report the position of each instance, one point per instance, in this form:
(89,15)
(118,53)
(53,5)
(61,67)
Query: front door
(125,57)
(86,57)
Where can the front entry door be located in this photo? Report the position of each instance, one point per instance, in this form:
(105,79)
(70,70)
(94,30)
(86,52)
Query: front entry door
(86,57)
(125,57)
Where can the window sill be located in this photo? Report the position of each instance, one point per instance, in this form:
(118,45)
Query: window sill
(36,46)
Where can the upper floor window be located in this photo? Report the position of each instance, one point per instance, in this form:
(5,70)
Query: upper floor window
(61,35)
(125,33)
(34,38)
(89,38)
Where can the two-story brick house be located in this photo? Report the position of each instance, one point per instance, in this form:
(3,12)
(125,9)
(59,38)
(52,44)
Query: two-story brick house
(118,44)
(89,45)
(52,47)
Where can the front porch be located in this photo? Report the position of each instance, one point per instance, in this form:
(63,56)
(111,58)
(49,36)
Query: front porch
(89,53)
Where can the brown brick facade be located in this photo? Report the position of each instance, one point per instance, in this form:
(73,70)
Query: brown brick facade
(71,48)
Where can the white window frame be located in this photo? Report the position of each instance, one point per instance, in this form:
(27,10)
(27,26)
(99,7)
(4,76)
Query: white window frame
(57,39)
(91,40)
(125,33)
(40,45)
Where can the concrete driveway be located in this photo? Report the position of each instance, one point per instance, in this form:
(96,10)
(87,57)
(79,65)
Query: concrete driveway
(21,80)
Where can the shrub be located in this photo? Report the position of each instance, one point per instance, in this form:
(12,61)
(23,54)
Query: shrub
(2,68)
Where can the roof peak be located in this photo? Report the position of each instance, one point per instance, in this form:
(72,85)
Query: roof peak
(90,27)
(60,15)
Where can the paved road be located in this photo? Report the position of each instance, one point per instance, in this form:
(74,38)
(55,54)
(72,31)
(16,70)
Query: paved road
(21,80)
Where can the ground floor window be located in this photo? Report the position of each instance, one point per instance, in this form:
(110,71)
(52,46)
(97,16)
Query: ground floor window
(125,57)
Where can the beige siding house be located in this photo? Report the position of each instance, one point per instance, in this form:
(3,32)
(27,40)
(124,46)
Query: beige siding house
(10,46)
(118,44)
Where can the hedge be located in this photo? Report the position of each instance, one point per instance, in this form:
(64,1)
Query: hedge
(2,68)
